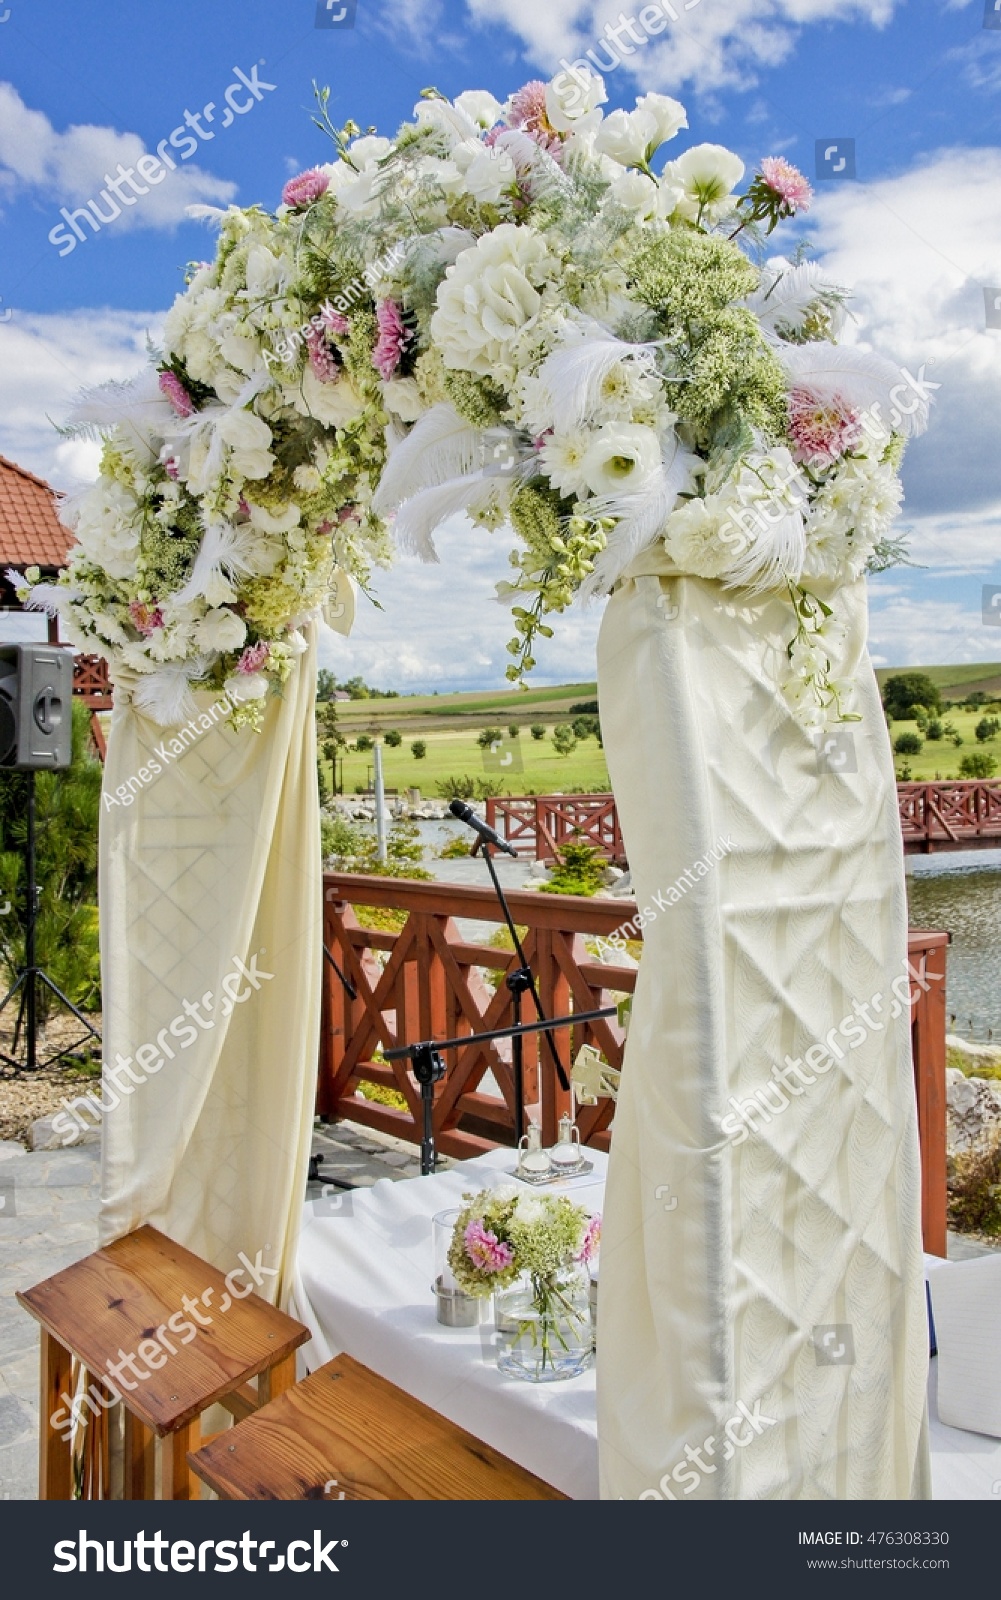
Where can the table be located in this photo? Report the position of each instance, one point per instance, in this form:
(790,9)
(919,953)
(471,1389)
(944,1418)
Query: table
(363,1286)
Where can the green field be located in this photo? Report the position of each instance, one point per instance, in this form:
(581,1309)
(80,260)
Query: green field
(955,683)
(453,752)
(940,758)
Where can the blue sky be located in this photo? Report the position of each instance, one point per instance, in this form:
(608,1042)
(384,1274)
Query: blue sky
(915,83)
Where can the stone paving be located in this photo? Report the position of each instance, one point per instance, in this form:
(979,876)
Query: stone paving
(48,1219)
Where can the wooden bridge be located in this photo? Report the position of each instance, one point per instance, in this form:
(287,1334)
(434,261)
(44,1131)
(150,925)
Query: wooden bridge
(426,978)
(955,815)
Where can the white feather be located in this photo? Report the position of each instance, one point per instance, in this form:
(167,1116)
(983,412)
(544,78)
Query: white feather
(233,552)
(441,446)
(773,557)
(165,695)
(422,513)
(642,515)
(135,404)
(213,215)
(787,293)
(572,377)
(48,597)
(868,382)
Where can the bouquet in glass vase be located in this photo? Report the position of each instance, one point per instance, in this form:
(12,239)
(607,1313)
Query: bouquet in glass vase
(531,1252)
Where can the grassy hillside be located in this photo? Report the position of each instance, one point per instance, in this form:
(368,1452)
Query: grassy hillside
(955,683)
(417,714)
(454,752)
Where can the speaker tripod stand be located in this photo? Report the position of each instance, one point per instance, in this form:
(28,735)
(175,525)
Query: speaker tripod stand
(31,976)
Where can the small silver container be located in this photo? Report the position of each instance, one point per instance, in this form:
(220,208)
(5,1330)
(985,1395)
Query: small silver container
(454,1308)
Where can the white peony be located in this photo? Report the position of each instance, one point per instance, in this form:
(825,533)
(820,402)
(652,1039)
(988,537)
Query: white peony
(668,116)
(332,403)
(477,170)
(632,137)
(480,106)
(691,536)
(634,191)
(621,458)
(402,398)
(488,297)
(369,149)
(106,524)
(572,95)
(220,630)
(708,174)
(246,686)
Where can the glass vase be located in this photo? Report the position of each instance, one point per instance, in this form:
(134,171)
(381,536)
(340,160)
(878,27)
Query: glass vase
(544,1326)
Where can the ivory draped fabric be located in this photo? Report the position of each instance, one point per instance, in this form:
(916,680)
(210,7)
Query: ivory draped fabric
(763,1323)
(211,908)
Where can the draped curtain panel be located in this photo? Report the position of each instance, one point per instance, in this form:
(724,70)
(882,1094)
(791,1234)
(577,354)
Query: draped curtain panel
(763,1323)
(210,890)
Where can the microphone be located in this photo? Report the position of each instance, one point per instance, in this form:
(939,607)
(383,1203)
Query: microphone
(467,815)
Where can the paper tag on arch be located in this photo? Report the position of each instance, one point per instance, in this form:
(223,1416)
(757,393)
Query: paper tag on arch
(339,605)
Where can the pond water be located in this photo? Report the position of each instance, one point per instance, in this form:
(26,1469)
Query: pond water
(966,900)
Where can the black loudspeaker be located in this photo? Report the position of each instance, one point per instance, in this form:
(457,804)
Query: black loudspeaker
(36,707)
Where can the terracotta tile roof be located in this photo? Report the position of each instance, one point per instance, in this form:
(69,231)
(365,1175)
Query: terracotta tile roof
(30,531)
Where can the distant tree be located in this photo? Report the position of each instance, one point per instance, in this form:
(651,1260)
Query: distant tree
(564,742)
(514,730)
(907,689)
(908,744)
(418,749)
(978,764)
(976,699)
(357,689)
(363,742)
(987,728)
(323,787)
(586,707)
(934,729)
(393,738)
(488,737)
(538,730)
(326,683)
(586,727)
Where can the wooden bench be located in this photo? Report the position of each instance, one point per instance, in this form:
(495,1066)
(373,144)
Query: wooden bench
(347,1434)
(191,1337)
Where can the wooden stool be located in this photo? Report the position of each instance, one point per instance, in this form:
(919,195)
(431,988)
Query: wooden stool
(182,1337)
(347,1434)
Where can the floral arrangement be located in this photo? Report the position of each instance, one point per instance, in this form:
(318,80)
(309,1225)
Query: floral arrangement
(508,311)
(501,1233)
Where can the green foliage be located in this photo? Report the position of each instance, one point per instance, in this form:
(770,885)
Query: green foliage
(419,749)
(381,1095)
(907,689)
(352,848)
(463,786)
(987,728)
(564,742)
(578,871)
(364,741)
(908,744)
(68,808)
(456,848)
(934,729)
(393,738)
(513,730)
(975,1190)
(585,708)
(326,683)
(978,764)
(488,737)
(538,730)
(322,786)
(332,740)
(586,727)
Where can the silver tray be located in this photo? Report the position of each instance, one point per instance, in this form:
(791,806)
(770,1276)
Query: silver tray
(547,1179)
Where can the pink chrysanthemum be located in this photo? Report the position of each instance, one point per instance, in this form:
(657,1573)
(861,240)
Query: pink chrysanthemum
(528,107)
(304,189)
(394,336)
(591,1240)
(822,431)
(254,657)
(485,1250)
(788,183)
(173,390)
(322,356)
(146,619)
(336,321)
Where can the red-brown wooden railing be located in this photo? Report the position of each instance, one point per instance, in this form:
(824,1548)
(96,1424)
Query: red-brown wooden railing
(960,815)
(429,981)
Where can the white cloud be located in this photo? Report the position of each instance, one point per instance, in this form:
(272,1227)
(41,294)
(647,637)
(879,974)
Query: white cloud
(905,630)
(713,45)
(70,168)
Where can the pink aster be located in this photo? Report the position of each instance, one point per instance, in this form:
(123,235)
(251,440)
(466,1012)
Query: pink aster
(254,657)
(304,189)
(394,336)
(322,356)
(145,618)
(485,1250)
(822,431)
(590,1241)
(528,107)
(336,321)
(173,390)
(788,183)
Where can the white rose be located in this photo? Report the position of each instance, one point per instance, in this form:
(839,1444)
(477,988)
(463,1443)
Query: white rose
(452,121)
(480,106)
(488,174)
(691,535)
(241,350)
(333,403)
(634,191)
(246,686)
(620,459)
(402,398)
(368,150)
(669,116)
(275,521)
(573,93)
(265,273)
(629,137)
(488,297)
(708,173)
(220,630)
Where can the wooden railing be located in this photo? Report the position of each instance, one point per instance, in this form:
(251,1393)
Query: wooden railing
(960,815)
(427,980)
(540,825)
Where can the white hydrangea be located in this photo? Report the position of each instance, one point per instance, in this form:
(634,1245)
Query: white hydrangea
(489,296)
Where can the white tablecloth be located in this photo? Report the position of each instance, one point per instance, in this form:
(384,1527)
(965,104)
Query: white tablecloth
(363,1286)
